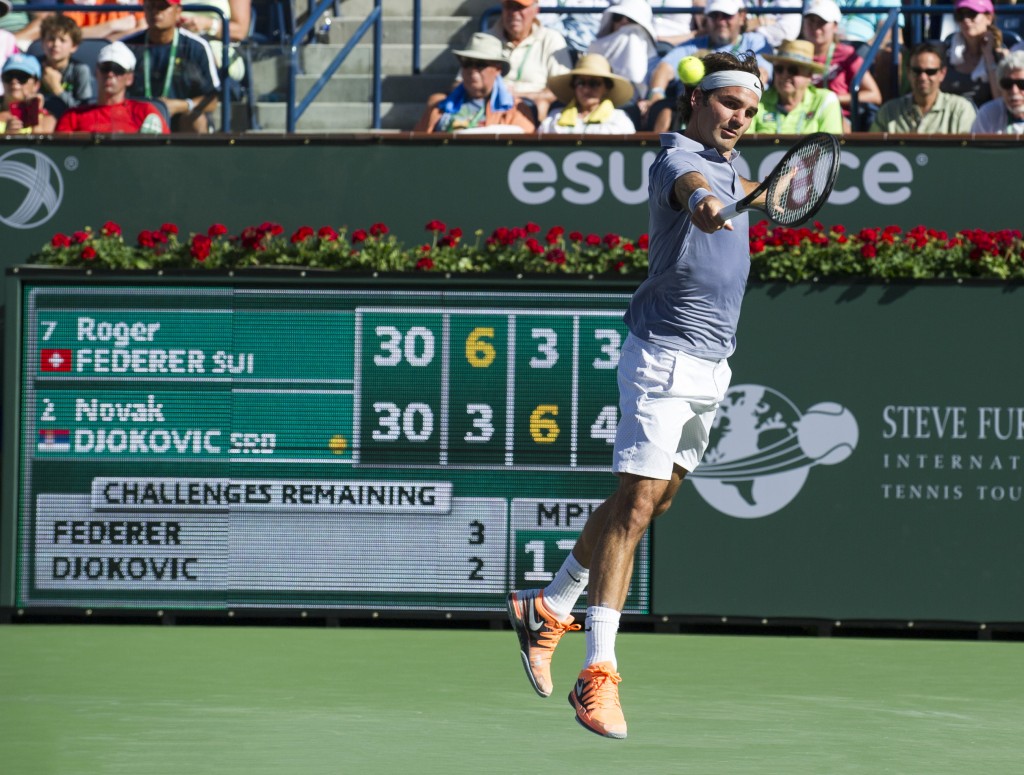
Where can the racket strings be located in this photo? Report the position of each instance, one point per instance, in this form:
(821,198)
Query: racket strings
(804,180)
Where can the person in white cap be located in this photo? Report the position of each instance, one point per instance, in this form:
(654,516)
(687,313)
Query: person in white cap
(725,20)
(626,39)
(841,62)
(591,95)
(113,112)
(673,373)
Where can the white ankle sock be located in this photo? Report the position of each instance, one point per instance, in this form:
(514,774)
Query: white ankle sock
(601,627)
(566,588)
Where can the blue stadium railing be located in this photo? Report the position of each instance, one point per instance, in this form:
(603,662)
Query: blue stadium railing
(225,97)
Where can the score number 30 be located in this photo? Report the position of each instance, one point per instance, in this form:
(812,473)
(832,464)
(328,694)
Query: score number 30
(417,347)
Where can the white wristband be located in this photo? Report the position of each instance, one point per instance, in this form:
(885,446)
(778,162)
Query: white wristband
(189,104)
(696,197)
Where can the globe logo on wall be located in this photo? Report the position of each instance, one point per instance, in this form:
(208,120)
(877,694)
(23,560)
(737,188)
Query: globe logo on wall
(31,189)
(762,449)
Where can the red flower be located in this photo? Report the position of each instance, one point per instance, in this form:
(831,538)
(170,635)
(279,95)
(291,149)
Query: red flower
(302,234)
(252,238)
(534,247)
(642,242)
(448,241)
(110,229)
(200,248)
(425,248)
(555,256)
(593,240)
(271,228)
(145,239)
(554,234)
(359,235)
(378,229)
(612,240)
(576,236)
(169,228)
(628,247)
(532,228)
(756,246)
(61,240)
(88,253)
(79,237)
(868,251)
(436,226)
(425,263)
(327,234)
(217,230)
(455,233)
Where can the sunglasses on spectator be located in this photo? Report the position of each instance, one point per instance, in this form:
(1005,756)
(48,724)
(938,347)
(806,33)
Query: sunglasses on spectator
(792,70)
(589,83)
(964,13)
(474,64)
(1009,83)
(110,67)
(929,71)
(15,75)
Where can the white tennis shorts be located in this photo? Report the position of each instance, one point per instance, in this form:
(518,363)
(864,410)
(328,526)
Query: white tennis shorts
(667,403)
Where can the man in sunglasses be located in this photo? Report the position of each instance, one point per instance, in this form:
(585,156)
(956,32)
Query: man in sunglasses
(482,99)
(926,110)
(114,112)
(1005,116)
(176,67)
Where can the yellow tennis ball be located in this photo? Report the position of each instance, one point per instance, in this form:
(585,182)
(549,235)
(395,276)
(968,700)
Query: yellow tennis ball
(691,70)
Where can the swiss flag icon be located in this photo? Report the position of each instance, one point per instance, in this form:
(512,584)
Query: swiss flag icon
(55,360)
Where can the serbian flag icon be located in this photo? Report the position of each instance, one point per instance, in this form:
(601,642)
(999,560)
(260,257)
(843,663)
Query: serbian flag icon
(54,440)
(55,360)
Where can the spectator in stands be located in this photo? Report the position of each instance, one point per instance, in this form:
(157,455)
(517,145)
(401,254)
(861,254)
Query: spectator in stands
(103,23)
(22,111)
(591,94)
(820,24)
(674,29)
(8,43)
(535,53)
(926,109)
(65,82)
(776,27)
(1005,116)
(176,67)
(482,99)
(792,106)
(859,29)
(1012,24)
(975,51)
(578,29)
(114,112)
(626,40)
(208,24)
(19,22)
(725,19)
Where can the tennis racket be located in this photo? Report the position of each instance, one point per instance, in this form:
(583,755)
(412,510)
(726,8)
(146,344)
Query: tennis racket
(798,186)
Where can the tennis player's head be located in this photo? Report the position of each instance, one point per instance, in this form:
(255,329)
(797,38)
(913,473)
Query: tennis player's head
(720,108)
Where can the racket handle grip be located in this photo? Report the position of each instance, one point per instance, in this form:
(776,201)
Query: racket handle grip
(729,212)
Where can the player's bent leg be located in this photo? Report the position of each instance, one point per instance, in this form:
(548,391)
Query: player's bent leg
(539,633)
(595,698)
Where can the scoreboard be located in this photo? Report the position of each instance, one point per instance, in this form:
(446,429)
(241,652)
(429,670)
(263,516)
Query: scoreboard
(427,446)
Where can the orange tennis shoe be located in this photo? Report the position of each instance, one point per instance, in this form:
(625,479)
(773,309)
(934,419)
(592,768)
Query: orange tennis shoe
(596,700)
(539,633)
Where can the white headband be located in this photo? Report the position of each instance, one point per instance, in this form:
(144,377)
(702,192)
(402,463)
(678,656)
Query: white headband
(732,78)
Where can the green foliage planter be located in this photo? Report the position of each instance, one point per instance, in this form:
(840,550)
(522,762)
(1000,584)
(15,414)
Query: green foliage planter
(777,254)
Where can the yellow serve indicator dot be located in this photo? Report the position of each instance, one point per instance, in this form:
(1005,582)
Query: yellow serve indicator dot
(338,444)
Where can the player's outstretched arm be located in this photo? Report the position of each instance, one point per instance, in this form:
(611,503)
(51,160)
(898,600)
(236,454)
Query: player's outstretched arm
(693,195)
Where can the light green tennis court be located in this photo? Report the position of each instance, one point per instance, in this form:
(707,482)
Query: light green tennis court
(92,700)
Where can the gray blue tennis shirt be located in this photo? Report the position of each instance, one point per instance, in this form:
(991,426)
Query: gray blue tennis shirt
(691,298)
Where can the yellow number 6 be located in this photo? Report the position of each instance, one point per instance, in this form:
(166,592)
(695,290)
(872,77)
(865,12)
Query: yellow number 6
(479,352)
(543,427)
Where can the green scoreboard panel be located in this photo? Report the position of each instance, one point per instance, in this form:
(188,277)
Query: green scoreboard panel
(220,446)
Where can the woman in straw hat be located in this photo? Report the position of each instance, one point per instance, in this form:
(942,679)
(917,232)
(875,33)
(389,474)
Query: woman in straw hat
(792,106)
(591,94)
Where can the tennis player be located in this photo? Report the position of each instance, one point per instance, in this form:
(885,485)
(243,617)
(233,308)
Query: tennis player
(672,374)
